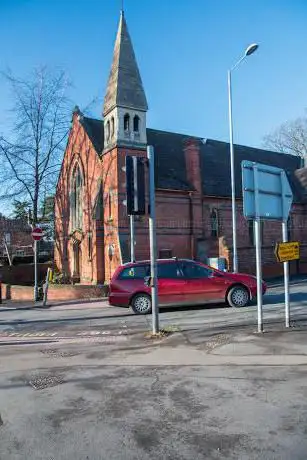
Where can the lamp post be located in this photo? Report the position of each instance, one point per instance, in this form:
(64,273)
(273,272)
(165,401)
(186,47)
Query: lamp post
(250,50)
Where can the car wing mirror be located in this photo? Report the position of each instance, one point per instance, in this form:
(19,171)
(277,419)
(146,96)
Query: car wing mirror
(147,281)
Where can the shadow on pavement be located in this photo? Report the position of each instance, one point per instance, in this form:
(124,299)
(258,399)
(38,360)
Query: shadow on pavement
(271,299)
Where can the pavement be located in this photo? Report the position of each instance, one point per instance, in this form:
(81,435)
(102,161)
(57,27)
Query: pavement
(87,381)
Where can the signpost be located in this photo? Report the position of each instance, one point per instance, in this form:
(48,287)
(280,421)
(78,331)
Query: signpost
(285,252)
(136,204)
(48,279)
(37,234)
(267,195)
(135,194)
(153,243)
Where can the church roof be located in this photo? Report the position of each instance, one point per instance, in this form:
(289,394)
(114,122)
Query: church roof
(94,130)
(170,166)
(125,88)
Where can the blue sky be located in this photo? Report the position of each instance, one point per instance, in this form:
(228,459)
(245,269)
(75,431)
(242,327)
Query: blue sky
(183,48)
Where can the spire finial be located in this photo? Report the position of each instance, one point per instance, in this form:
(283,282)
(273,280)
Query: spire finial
(122,7)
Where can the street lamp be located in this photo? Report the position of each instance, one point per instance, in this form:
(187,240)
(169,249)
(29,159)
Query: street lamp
(249,50)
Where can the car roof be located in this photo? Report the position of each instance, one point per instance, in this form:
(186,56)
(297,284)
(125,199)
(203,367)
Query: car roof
(142,262)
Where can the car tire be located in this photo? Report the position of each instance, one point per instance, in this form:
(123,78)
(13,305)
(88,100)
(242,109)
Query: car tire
(141,304)
(238,297)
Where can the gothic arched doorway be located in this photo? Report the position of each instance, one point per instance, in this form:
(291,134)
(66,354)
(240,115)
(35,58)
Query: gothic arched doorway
(76,262)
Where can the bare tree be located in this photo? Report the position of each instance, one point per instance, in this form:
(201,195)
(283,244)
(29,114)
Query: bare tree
(32,154)
(290,138)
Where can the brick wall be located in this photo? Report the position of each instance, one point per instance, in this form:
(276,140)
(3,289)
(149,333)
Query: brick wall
(89,241)
(61,292)
(184,222)
(23,274)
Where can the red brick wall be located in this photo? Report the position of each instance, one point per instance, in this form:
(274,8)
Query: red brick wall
(23,274)
(116,221)
(183,218)
(79,150)
(20,236)
(65,292)
(272,234)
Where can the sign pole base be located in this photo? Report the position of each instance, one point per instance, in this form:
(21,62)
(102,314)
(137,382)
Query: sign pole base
(257,224)
(286,277)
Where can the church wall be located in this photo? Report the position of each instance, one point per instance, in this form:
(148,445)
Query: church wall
(79,151)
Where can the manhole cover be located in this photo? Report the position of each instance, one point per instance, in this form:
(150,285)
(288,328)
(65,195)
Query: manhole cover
(217,341)
(41,382)
(53,353)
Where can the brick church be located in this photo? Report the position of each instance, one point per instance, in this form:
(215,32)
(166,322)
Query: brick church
(193,195)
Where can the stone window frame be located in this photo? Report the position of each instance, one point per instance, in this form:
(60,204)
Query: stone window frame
(110,203)
(136,124)
(108,134)
(112,127)
(76,197)
(127,122)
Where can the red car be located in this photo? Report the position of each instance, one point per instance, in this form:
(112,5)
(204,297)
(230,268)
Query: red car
(180,282)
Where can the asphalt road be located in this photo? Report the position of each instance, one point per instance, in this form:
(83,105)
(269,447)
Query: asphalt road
(82,381)
(75,320)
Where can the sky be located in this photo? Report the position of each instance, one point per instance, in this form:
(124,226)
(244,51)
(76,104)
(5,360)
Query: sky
(183,48)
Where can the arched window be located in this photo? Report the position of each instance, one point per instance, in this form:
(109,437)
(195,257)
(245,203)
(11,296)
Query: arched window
(214,218)
(127,122)
(136,124)
(76,199)
(108,130)
(112,127)
(110,199)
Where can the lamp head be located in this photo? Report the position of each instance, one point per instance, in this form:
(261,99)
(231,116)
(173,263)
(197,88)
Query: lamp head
(251,49)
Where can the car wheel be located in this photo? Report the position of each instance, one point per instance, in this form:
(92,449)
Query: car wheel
(238,297)
(141,304)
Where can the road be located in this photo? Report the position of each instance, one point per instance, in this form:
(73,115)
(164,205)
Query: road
(82,381)
(97,318)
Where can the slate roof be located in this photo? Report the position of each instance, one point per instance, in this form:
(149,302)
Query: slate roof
(215,166)
(125,88)
(170,170)
(170,166)
(94,130)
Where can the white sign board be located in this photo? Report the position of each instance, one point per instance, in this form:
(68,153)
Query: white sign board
(267,195)
(266,192)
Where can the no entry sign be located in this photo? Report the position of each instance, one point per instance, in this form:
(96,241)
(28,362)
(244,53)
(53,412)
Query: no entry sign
(37,234)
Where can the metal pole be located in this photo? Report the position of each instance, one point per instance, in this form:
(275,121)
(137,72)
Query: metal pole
(7,252)
(286,277)
(153,244)
(132,239)
(257,225)
(233,184)
(35,273)
(49,271)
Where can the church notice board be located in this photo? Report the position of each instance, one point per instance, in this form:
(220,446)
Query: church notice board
(285,252)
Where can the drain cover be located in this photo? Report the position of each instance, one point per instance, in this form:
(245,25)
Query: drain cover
(54,353)
(40,382)
(217,341)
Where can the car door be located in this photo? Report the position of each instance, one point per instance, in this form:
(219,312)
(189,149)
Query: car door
(201,286)
(170,283)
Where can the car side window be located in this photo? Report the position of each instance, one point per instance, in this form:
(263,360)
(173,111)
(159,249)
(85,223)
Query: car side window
(169,270)
(138,272)
(195,271)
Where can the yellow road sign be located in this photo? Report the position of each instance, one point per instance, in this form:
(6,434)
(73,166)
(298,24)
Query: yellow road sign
(287,251)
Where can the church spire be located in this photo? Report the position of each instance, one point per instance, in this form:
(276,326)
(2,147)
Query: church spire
(125,88)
